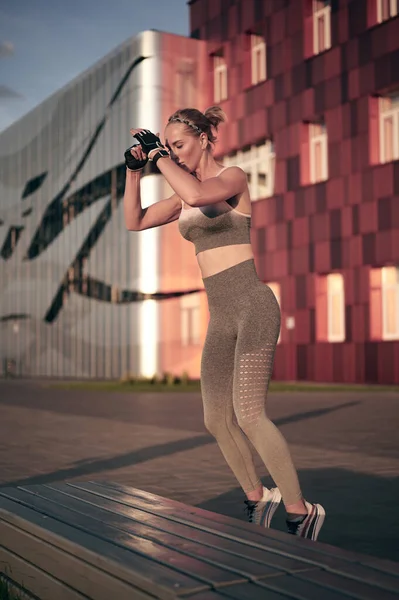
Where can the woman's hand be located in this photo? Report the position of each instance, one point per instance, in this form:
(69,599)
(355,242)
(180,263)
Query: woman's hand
(149,142)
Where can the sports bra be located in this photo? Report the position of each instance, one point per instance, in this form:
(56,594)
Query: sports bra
(214,225)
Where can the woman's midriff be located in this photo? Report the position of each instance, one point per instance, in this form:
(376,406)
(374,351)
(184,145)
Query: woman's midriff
(217,259)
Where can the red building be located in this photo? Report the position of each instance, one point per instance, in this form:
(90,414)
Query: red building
(311,90)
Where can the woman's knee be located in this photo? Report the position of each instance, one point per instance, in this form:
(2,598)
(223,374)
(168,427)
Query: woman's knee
(217,424)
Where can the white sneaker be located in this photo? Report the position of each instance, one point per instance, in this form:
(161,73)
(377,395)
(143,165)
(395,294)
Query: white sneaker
(308,527)
(262,511)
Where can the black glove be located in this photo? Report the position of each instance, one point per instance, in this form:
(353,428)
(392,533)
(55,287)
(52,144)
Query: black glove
(149,141)
(132,162)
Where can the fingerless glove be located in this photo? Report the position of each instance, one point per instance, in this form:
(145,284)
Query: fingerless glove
(149,141)
(132,162)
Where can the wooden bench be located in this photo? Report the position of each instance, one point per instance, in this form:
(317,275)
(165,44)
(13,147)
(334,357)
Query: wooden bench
(106,541)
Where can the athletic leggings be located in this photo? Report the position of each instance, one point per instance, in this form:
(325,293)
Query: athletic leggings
(236,367)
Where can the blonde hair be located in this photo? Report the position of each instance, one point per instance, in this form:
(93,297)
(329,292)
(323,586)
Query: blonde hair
(197,122)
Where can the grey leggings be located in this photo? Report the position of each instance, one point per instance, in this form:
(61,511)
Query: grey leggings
(236,367)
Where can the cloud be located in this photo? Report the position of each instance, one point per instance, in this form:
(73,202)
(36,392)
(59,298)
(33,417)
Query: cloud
(6,49)
(6,92)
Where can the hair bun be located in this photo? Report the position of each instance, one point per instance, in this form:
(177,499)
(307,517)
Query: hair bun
(215,115)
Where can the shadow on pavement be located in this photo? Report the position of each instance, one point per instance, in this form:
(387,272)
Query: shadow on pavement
(361,510)
(93,466)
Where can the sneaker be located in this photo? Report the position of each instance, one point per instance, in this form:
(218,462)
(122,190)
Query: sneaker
(262,511)
(308,527)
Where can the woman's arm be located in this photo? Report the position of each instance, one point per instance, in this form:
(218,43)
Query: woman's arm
(231,182)
(132,200)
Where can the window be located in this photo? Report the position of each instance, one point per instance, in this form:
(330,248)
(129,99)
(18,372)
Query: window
(386,9)
(390,303)
(318,152)
(190,320)
(389,127)
(220,78)
(258,59)
(321,25)
(276,289)
(335,308)
(258,162)
(330,308)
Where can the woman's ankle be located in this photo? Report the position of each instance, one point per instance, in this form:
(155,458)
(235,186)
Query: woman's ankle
(299,508)
(256,494)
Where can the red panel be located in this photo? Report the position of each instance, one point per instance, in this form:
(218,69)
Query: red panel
(321,227)
(356,256)
(300,261)
(346,221)
(271,238)
(343,25)
(335,193)
(289,206)
(302,327)
(322,257)
(332,65)
(368,217)
(311,290)
(280,177)
(269,92)
(352,54)
(386,365)
(348,362)
(379,42)
(248,17)
(395,214)
(308,111)
(346,158)
(353,84)
(392,34)
(300,232)
(358,323)
(308,37)
(333,119)
(371,13)
(349,287)
(277,27)
(280,264)
(383,180)
(318,68)
(346,253)
(295,136)
(333,93)
(374,136)
(310,200)
(355,188)
(383,247)
(396,361)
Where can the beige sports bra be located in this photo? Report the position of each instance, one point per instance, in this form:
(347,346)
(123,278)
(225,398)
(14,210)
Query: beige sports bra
(214,225)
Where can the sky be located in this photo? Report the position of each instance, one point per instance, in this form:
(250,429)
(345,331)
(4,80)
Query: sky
(44,44)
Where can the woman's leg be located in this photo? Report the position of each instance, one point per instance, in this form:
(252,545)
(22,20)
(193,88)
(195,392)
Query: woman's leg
(217,371)
(258,332)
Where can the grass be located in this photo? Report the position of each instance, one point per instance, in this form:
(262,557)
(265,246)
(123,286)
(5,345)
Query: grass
(194,386)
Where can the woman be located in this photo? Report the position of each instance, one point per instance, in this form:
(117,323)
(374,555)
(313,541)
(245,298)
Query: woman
(213,206)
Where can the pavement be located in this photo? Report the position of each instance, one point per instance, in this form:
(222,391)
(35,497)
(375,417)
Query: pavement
(344,445)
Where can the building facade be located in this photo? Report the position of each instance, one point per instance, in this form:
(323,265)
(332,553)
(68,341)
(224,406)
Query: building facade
(311,91)
(311,88)
(80,296)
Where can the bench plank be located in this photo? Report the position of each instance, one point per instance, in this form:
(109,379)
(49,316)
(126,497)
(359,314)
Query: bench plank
(250,564)
(318,555)
(102,540)
(140,572)
(33,579)
(55,561)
